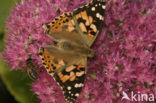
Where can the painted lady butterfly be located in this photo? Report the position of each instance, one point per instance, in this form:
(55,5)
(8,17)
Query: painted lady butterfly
(74,33)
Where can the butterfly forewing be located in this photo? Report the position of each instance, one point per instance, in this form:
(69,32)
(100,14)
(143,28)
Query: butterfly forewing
(89,19)
(85,21)
(64,22)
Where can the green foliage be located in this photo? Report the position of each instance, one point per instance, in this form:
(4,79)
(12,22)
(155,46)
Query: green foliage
(18,84)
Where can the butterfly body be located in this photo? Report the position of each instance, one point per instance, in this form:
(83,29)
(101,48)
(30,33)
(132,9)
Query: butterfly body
(74,33)
(76,48)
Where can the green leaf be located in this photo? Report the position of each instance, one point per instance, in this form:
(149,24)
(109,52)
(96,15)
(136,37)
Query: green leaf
(18,84)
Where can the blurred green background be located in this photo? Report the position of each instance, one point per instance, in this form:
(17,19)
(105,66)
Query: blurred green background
(15,86)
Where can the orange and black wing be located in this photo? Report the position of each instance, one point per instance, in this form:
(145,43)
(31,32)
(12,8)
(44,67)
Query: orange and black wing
(84,21)
(89,19)
(69,72)
(64,22)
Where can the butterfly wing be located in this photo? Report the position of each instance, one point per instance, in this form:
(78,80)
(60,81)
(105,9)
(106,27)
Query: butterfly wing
(64,23)
(64,28)
(67,69)
(89,20)
(61,23)
(71,79)
(85,22)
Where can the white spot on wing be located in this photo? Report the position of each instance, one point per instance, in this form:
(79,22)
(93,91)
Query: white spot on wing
(93,8)
(103,6)
(76,94)
(69,88)
(99,16)
(78,85)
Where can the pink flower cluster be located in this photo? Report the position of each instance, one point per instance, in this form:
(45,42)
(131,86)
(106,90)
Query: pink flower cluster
(125,48)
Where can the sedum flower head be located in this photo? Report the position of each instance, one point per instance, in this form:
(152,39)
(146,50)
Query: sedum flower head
(125,48)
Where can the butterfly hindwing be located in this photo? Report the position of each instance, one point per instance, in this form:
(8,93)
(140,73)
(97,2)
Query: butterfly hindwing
(71,79)
(54,58)
(49,62)
(69,72)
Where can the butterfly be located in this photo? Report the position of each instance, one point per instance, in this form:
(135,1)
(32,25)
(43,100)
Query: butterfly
(66,59)
(31,69)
